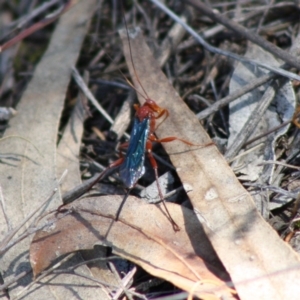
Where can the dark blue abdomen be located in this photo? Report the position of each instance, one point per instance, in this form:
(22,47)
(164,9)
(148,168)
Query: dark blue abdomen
(132,169)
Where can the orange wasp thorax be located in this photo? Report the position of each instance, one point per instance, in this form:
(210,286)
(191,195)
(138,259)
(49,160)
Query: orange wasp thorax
(150,110)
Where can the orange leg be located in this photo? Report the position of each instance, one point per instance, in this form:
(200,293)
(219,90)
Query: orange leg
(154,166)
(166,112)
(153,138)
(116,163)
(124,145)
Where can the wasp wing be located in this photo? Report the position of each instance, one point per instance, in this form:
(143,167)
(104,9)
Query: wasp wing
(132,169)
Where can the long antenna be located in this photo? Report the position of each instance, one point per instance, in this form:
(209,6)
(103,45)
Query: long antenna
(131,57)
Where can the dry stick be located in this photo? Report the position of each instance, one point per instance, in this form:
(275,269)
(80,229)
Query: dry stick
(69,270)
(246,152)
(252,121)
(257,114)
(84,88)
(24,235)
(172,39)
(211,32)
(122,282)
(11,234)
(122,120)
(279,163)
(268,132)
(266,100)
(35,27)
(212,49)
(244,90)
(253,37)
(21,22)
(247,88)
(79,80)
(84,187)
(4,245)
(44,274)
(13,280)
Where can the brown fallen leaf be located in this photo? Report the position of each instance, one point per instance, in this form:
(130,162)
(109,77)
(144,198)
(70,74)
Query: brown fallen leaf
(68,159)
(142,235)
(32,178)
(238,233)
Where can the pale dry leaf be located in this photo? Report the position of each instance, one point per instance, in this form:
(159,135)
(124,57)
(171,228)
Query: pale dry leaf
(142,235)
(68,158)
(275,102)
(239,235)
(69,148)
(280,199)
(281,110)
(33,178)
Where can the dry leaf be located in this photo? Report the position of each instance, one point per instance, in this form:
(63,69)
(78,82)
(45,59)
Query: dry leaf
(281,110)
(239,235)
(32,179)
(68,159)
(142,235)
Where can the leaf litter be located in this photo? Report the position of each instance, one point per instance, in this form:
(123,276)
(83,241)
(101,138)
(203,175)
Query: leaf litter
(27,184)
(222,205)
(279,109)
(155,247)
(230,222)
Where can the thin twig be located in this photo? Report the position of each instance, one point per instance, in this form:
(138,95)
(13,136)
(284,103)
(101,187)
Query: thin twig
(43,275)
(252,121)
(251,36)
(238,93)
(90,96)
(279,163)
(215,50)
(268,132)
(35,27)
(123,283)
(13,280)
(5,245)
(33,14)
(84,187)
